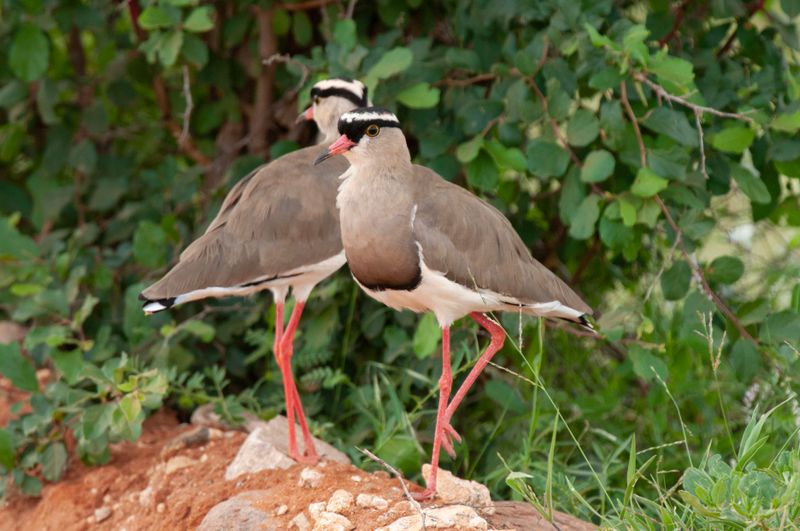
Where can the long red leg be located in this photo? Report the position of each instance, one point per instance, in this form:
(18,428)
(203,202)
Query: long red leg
(287,349)
(445,385)
(290,393)
(498,338)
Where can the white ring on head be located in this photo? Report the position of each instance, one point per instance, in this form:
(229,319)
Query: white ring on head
(350,117)
(355,86)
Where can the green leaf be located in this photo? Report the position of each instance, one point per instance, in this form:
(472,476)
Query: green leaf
(8,454)
(598,166)
(627,211)
(419,96)
(15,244)
(301,28)
(633,43)
(546,159)
(791,7)
(582,128)
(598,40)
(194,50)
(29,53)
(733,139)
(725,269)
(788,123)
(203,331)
(281,22)
(150,245)
(468,150)
(672,70)
(505,396)
(675,281)
(54,461)
(482,172)
(506,157)
(344,32)
(155,17)
(752,186)
(427,336)
(673,124)
(645,363)
(391,63)
(780,327)
(199,20)
(745,359)
(130,407)
(647,183)
(169,46)
(69,363)
(585,218)
(16,368)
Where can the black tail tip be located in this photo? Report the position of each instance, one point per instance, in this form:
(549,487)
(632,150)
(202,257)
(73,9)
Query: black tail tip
(586,324)
(156,305)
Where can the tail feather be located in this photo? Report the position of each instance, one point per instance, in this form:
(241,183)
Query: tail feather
(152,306)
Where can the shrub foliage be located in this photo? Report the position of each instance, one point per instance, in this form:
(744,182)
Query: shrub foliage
(646,151)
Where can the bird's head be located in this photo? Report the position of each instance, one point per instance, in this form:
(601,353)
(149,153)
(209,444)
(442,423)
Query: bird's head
(368,134)
(330,99)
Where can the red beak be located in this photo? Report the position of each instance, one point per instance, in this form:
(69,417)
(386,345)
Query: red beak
(342,145)
(306,115)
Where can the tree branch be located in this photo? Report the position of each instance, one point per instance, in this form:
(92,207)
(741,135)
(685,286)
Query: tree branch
(680,12)
(261,117)
(696,269)
(752,9)
(302,6)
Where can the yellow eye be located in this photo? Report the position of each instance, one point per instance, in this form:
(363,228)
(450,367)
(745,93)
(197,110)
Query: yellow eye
(316,100)
(373,130)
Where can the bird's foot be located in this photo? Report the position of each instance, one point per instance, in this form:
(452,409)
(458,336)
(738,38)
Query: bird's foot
(448,435)
(426,495)
(306,458)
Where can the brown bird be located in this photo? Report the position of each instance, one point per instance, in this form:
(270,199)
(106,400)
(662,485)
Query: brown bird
(277,229)
(416,241)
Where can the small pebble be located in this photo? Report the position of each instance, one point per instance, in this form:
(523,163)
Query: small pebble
(101,514)
(340,501)
(281,510)
(161,508)
(316,509)
(357,479)
(107,498)
(310,478)
(204,458)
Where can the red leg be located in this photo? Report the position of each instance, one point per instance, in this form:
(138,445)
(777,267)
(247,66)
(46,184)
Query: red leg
(445,385)
(498,338)
(287,349)
(290,392)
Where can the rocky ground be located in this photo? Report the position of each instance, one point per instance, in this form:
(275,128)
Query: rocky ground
(203,476)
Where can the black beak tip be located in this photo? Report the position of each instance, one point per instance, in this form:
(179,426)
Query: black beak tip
(322,158)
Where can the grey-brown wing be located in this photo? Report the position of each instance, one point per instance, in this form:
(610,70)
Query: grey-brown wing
(473,244)
(281,218)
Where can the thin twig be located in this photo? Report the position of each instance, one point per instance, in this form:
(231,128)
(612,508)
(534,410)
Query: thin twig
(479,78)
(187,112)
(696,270)
(394,471)
(662,93)
(663,267)
(351,7)
(752,9)
(680,12)
(288,59)
(697,116)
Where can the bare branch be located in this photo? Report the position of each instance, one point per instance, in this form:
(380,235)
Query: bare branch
(662,93)
(697,116)
(261,118)
(302,6)
(187,112)
(351,7)
(288,59)
(394,471)
(623,89)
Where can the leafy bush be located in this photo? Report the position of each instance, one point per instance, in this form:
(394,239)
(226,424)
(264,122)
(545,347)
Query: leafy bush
(646,151)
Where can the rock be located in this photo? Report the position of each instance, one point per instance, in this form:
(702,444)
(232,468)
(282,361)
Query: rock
(329,521)
(278,432)
(310,478)
(281,510)
(357,479)
(340,501)
(178,462)
(316,509)
(107,499)
(146,496)
(453,490)
(450,516)
(101,513)
(521,515)
(257,453)
(300,522)
(161,507)
(197,436)
(241,513)
(370,501)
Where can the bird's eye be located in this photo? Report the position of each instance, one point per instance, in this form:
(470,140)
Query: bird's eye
(373,130)
(317,100)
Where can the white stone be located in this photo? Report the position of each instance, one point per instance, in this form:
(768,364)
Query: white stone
(178,462)
(204,458)
(357,479)
(281,510)
(300,522)
(239,512)
(310,478)
(453,490)
(340,501)
(371,501)
(107,498)
(329,521)
(257,453)
(160,508)
(450,516)
(101,513)
(316,509)
(146,497)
